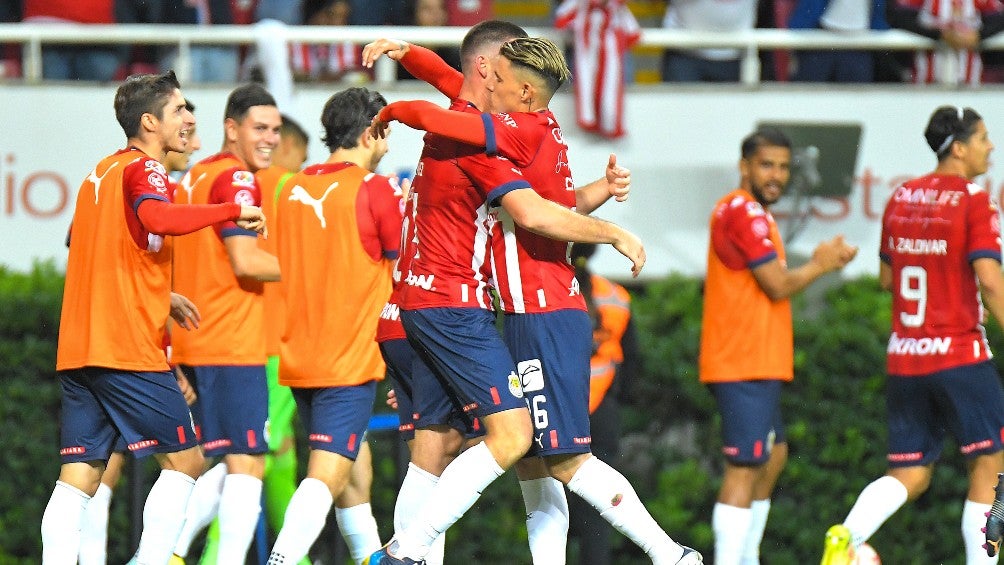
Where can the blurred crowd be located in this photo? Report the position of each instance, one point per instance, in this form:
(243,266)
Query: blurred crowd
(960,26)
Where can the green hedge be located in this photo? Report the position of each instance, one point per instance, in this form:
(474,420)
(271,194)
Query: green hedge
(834,411)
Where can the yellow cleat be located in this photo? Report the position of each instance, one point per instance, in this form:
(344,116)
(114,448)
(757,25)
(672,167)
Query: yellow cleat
(176,560)
(838,549)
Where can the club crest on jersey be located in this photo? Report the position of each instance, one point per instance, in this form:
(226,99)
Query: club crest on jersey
(243,178)
(531,374)
(155,166)
(157,181)
(244,198)
(514,387)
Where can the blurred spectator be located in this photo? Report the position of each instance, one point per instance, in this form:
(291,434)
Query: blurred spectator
(289,12)
(10,53)
(209,63)
(960,26)
(379,12)
(331,61)
(468,12)
(75,62)
(837,65)
(431,13)
(710,65)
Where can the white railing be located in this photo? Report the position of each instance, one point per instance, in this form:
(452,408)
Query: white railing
(32,36)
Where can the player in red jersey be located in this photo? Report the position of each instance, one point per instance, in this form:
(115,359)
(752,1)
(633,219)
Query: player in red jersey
(538,291)
(222,270)
(475,363)
(940,250)
(116,302)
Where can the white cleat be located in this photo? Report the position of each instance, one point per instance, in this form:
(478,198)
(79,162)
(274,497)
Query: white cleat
(690,557)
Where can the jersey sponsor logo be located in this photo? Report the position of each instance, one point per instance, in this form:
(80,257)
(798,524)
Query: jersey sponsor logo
(539,438)
(921,347)
(927,196)
(97,180)
(507,120)
(912,246)
(243,178)
(515,388)
(142,444)
(157,181)
(421,281)
(244,198)
(75,450)
(390,311)
(155,166)
(300,194)
(531,375)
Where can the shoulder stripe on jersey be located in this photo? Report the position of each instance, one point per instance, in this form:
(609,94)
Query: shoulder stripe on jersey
(491,144)
(762,260)
(496,195)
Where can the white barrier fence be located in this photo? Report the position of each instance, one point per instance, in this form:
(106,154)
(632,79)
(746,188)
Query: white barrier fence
(33,36)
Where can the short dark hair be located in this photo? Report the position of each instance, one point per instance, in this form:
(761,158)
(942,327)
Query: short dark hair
(949,124)
(484,34)
(143,94)
(245,97)
(292,128)
(346,114)
(764,137)
(189,106)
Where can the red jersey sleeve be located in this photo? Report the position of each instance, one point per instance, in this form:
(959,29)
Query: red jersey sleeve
(238,186)
(984,226)
(493,176)
(425,64)
(145,178)
(742,235)
(517,136)
(384,199)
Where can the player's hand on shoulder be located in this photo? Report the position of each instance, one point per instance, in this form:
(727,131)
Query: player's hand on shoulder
(252,218)
(618,179)
(393,48)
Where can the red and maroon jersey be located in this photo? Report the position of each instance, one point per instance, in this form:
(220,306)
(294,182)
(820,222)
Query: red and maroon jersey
(453,187)
(933,228)
(389,326)
(532,273)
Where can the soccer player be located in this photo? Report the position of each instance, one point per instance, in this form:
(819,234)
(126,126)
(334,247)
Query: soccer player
(223,270)
(94,533)
(539,294)
(746,339)
(940,250)
(117,298)
(446,310)
(338,226)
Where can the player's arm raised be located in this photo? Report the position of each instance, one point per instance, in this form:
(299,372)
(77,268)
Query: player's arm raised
(616,182)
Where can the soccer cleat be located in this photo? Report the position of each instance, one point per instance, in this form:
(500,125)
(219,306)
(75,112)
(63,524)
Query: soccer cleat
(690,557)
(838,549)
(382,556)
(995,519)
(176,560)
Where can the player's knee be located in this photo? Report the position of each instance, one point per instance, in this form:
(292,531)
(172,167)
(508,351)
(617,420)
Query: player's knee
(190,462)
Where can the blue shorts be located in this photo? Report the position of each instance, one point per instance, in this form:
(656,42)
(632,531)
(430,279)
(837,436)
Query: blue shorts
(751,419)
(463,347)
(966,401)
(232,408)
(100,406)
(552,352)
(336,418)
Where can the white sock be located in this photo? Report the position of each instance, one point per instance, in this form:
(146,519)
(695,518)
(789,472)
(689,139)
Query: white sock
(615,499)
(163,516)
(458,489)
(202,507)
(359,530)
(751,553)
(876,503)
(61,524)
(305,517)
(415,489)
(973,519)
(731,525)
(546,519)
(240,506)
(94,528)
